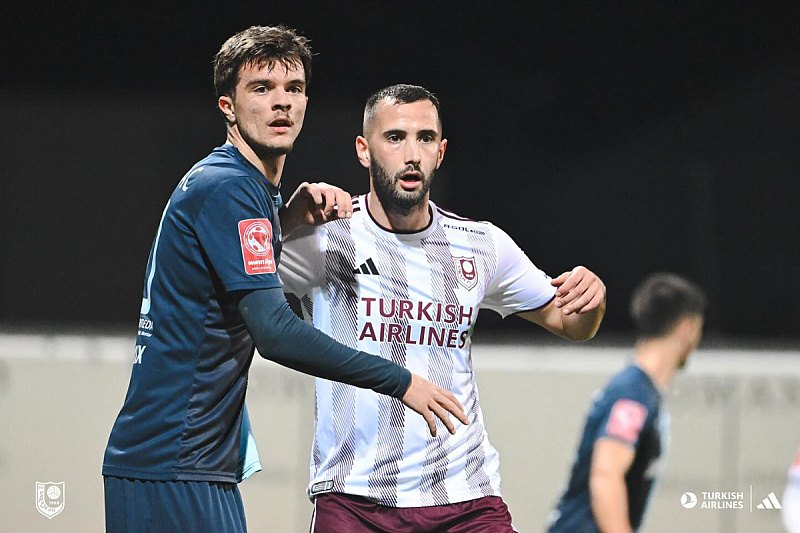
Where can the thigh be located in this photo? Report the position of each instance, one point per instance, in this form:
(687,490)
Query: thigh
(141,506)
(484,515)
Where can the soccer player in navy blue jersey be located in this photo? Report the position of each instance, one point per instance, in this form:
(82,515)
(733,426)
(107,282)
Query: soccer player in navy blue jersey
(212,295)
(627,430)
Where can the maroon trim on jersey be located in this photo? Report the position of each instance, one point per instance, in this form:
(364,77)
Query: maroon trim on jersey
(536,308)
(449,214)
(389,230)
(334,513)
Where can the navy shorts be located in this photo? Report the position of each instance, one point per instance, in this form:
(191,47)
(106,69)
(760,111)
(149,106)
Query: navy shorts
(339,513)
(141,506)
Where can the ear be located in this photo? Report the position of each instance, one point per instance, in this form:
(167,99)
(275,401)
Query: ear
(442,148)
(225,104)
(690,328)
(362,151)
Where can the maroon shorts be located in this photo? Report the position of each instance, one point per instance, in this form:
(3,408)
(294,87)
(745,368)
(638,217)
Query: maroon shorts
(343,513)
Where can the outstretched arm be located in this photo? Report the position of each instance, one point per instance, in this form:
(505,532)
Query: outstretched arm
(282,337)
(314,204)
(578,307)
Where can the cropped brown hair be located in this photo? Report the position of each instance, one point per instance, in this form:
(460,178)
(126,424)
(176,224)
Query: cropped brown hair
(261,46)
(661,300)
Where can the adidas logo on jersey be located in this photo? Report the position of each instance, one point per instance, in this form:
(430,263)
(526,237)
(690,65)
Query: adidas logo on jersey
(770,502)
(368,267)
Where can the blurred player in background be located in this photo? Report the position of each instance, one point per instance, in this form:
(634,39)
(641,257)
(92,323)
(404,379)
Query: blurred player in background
(406,277)
(625,438)
(212,294)
(791,497)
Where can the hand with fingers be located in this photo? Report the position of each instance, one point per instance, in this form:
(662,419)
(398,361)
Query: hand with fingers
(431,401)
(579,291)
(315,204)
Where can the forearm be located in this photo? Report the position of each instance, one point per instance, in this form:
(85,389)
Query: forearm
(609,498)
(282,337)
(583,326)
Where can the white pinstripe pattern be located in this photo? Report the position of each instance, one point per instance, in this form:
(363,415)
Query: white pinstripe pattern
(367,443)
(382,481)
(339,277)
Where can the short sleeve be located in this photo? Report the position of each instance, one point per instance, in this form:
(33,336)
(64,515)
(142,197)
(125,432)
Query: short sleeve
(302,260)
(518,285)
(624,421)
(236,230)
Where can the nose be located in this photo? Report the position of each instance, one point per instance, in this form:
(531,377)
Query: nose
(281,100)
(412,153)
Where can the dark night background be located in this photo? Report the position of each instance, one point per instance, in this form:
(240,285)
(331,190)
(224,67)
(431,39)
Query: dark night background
(634,138)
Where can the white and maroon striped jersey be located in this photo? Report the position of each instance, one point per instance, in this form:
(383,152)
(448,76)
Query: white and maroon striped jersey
(412,298)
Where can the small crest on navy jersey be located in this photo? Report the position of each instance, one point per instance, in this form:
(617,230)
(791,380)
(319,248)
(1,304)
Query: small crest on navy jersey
(466,273)
(49,498)
(320,487)
(256,239)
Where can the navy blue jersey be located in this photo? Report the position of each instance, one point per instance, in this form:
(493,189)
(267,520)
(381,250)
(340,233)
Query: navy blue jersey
(182,415)
(628,410)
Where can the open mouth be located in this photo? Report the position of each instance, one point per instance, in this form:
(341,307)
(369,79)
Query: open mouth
(281,124)
(409,180)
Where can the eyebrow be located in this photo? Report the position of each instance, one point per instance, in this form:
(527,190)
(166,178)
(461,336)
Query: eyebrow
(271,82)
(402,133)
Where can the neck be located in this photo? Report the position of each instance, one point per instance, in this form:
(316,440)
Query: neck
(416,219)
(658,358)
(271,166)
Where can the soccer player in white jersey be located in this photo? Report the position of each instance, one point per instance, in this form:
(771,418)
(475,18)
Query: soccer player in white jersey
(405,278)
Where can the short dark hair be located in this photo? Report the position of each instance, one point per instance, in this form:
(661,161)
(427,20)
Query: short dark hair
(399,94)
(259,45)
(661,300)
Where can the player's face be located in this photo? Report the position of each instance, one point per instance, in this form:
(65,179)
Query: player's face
(403,149)
(269,105)
(696,333)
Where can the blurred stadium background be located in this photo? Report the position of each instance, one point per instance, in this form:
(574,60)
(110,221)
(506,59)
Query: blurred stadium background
(630,139)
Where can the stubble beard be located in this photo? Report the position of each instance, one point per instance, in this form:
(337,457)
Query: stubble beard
(264,151)
(392,198)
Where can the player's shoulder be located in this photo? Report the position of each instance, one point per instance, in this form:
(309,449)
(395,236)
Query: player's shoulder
(359,202)
(632,383)
(223,164)
(450,220)
(454,217)
(222,171)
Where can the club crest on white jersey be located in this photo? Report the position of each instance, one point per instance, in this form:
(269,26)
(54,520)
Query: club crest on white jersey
(466,273)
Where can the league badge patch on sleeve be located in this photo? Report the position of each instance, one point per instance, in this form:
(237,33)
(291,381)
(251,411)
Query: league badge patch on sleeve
(626,420)
(255,235)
